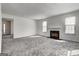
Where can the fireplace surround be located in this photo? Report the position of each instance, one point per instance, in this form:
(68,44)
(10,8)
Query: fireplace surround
(54,34)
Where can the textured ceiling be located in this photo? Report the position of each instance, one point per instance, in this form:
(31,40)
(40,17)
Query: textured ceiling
(38,10)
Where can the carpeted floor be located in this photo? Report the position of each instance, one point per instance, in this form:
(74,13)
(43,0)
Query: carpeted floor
(39,46)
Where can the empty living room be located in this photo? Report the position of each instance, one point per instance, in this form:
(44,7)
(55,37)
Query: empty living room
(39,29)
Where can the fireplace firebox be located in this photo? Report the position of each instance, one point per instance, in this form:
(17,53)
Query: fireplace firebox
(54,34)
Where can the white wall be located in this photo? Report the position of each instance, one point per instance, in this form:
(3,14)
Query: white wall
(0,29)
(24,27)
(60,20)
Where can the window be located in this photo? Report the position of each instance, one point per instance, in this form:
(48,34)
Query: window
(4,28)
(44,25)
(70,25)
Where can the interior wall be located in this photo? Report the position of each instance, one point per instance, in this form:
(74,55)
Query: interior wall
(24,27)
(0,29)
(59,20)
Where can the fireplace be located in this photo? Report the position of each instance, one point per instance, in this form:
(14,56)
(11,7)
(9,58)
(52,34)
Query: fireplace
(54,34)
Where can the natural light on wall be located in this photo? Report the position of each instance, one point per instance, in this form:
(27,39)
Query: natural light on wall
(44,25)
(4,28)
(70,25)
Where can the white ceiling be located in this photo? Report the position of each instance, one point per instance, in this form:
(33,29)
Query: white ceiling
(38,10)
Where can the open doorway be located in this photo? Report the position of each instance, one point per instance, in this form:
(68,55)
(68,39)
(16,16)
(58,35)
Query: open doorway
(7,28)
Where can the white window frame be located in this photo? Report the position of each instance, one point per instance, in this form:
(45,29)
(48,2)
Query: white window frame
(70,25)
(44,26)
(4,28)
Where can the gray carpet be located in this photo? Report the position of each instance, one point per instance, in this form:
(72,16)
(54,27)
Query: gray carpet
(39,46)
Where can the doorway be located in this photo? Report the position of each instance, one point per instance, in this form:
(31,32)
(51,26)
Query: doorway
(7,28)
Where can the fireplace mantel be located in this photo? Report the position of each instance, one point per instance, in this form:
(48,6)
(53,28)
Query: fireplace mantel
(54,27)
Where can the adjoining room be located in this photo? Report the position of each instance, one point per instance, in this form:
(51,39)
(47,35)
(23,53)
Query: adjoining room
(7,28)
